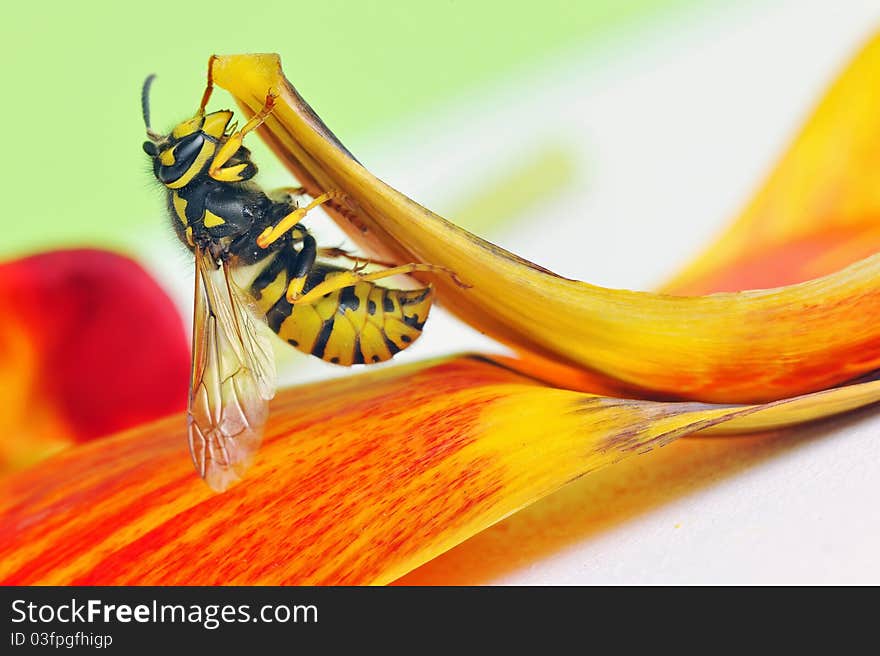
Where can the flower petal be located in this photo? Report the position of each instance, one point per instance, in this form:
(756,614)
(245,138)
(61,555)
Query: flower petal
(819,210)
(730,348)
(345,490)
(90,345)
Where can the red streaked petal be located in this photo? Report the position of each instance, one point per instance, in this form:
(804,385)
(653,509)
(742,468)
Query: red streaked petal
(358,481)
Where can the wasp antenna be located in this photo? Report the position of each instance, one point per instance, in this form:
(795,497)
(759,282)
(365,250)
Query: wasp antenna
(145,105)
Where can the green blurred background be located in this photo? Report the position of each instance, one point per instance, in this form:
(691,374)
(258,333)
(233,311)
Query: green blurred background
(73,170)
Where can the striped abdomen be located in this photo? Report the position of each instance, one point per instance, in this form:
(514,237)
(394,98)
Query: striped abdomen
(360,324)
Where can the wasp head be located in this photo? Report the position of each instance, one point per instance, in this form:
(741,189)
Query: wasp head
(183,154)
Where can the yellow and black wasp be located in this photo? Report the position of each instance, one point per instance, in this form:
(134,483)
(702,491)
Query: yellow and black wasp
(229,222)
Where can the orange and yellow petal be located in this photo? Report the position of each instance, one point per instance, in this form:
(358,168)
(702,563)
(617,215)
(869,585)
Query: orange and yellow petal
(819,210)
(358,482)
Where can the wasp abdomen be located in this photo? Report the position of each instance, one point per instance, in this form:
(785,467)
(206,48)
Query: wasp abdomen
(360,324)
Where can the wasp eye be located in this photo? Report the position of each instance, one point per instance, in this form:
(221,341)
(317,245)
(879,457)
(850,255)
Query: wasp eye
(150,148)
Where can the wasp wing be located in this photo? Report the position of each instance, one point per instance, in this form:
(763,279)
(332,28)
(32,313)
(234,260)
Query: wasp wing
(233,378)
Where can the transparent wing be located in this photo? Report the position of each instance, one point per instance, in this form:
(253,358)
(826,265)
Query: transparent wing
(233,378)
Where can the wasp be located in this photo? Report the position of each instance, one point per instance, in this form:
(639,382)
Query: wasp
(230,224)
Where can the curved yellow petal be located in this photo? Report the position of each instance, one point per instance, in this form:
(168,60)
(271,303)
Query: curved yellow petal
(731,348)
(359,480)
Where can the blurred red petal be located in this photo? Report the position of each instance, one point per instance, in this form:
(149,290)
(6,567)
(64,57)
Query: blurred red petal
(90,340)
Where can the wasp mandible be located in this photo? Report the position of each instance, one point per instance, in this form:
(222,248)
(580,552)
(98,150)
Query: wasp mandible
(220,214)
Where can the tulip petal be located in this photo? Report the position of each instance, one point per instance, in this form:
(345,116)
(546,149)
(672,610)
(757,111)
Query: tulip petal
(819,210)
(90,345)
(344,490)
(747,347)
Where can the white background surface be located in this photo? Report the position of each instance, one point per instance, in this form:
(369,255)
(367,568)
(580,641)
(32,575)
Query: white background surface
(670,136)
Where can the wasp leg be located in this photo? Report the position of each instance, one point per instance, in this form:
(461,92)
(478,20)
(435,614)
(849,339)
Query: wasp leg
(349,278)
(298,232)
(302,266)
(334,252)
(274,233)
(206,96)
(234,141)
